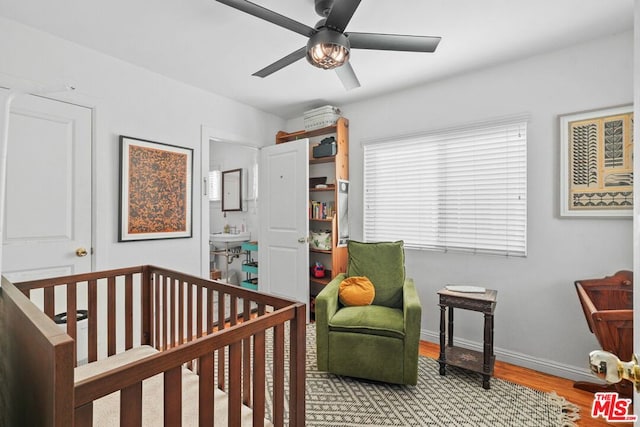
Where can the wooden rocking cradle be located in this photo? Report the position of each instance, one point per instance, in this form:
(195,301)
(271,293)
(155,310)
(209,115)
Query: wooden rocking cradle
(608,307)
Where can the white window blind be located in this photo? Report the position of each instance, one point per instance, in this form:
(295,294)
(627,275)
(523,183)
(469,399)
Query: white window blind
(459,190)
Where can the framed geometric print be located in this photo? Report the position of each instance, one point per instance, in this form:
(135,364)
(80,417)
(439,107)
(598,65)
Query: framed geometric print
(597,163)
(155,190)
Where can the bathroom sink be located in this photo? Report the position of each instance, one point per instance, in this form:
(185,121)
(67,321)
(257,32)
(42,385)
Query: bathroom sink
(229,240)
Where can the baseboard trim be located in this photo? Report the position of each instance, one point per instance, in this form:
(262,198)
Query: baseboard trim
(551,367)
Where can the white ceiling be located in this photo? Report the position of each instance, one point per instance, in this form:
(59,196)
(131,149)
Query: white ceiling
(212,46)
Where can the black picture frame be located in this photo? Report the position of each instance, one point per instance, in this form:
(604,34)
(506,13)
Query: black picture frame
(156,182)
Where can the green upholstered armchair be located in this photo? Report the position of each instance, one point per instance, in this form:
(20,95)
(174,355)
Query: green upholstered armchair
(378,341)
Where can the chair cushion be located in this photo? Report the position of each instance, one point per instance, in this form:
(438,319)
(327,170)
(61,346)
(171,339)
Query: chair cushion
(369,319)
(356,290)
(383,264)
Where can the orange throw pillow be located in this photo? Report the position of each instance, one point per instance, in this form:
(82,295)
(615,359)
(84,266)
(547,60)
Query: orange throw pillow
(356,290)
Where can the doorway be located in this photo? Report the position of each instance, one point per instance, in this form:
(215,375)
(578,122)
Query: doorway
(222,152)
(283,257)
(226,157)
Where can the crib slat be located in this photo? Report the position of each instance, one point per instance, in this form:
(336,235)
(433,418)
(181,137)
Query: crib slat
(199,311)
(246,372)
(234,310)
(189,319)
(181,312)
(233,320)
(278,375)
(206,391)
(246,358)
(297,373)
(221,325)
(173,397)
(235,390)
(190,312)
(83,416)
(147,307)
(131,406)
(111,316)
(221,309)
(158,314)
(210,311)
(165,313)
(128,311)
(72,322)
(172,319)
(258,379)
(246,309)
(93,320)
(49,302)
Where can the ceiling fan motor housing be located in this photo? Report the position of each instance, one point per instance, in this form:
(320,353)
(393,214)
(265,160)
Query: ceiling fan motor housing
(328,49)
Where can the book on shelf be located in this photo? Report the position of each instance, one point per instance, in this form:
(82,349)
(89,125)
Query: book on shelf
(321,210)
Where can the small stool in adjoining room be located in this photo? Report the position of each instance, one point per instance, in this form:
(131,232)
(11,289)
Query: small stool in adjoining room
(475,299)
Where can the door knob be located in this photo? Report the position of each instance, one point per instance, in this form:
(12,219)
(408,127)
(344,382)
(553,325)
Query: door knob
(302,240)
(610,368)
(81,252)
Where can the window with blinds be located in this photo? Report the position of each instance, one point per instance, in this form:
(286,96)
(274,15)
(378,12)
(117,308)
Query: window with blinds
(463,189)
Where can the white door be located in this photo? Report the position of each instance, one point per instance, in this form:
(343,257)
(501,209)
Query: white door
(284,223)
(47,223)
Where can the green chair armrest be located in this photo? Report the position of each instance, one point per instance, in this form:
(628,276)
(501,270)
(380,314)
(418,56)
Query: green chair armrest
(411,306)
(412,309)
(327,300)
(326,306)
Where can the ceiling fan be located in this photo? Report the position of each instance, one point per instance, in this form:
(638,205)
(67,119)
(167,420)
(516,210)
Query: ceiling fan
(329,45)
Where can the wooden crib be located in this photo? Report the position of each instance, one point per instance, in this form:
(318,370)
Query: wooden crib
(148,323)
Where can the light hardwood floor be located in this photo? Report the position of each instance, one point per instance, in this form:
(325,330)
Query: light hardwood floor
(539,381)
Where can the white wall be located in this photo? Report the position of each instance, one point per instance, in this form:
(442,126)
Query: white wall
(131,101)
(538,321)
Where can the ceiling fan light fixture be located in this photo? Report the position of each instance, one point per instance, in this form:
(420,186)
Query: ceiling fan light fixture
(329,46)
(328,49)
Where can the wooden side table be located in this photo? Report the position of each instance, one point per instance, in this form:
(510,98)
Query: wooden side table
(475,361)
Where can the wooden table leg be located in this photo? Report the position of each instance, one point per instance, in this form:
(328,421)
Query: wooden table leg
(442,357)
(487,351)
(450,327)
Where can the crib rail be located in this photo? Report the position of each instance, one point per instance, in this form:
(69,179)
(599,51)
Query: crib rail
(36,370)
(205,325)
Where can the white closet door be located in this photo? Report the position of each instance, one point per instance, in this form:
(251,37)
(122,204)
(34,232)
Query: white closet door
(284,223)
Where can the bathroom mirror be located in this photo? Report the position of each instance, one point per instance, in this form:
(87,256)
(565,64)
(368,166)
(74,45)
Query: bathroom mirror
(231,190)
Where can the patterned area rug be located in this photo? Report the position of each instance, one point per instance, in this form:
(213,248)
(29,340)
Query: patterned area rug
(454,400)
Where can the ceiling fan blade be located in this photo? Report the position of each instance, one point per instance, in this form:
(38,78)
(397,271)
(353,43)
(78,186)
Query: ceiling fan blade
(341,13)
(281,63)
(347,76)
(270,16)
(393,42)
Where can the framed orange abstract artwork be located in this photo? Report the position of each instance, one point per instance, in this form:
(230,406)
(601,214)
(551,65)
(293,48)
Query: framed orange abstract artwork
(155,190)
